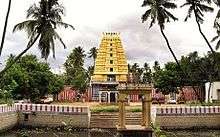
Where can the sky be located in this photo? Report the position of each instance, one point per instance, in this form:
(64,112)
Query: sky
(92,17)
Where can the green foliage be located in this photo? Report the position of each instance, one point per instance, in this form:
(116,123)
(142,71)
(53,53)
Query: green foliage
(5,97)
(43,20)
(76,75)
(167,80)
(29,79)
(198,7)
(24,133)
(136,109)
(56,84)
(158,11)
(93,53)
(157,131)
(80,81)
(170,78)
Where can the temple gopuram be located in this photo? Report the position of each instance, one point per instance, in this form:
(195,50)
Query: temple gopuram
(111,68)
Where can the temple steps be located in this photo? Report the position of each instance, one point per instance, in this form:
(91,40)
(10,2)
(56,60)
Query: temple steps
(110,120)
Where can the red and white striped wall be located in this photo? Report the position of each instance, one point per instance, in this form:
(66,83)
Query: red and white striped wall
(5,108)
(188,110)
(134,98)
(51,108)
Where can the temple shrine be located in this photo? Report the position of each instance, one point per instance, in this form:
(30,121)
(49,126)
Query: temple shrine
(111,68)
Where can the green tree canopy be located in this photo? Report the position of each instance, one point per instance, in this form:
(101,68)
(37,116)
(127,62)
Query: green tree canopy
(33,78)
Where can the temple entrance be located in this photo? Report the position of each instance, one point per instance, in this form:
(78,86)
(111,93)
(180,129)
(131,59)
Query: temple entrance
(112,97)
(135,130)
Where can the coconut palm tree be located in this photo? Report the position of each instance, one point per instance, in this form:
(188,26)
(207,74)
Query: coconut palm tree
(5,27)
(93,54)
(217,37)
(76,59)
(217,25)
(44,19)
(198,7)
(158,12)
(79,55)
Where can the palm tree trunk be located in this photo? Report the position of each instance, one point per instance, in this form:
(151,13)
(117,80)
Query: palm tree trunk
(213,52)
(210,84)
(19,56)
(203,35)
(168,45)
(177,62)
(5,27)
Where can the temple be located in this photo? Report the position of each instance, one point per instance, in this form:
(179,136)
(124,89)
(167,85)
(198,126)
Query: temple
(111,68)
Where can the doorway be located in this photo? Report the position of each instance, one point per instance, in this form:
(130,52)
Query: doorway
(112,97)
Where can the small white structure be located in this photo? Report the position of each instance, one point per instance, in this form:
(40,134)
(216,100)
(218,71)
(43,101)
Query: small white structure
(214,94)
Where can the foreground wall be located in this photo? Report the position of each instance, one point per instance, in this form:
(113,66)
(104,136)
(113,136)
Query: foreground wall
(188,117)
(40,115)
(8,117)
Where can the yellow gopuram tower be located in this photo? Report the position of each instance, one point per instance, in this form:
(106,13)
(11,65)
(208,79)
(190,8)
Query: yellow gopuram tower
(111,68)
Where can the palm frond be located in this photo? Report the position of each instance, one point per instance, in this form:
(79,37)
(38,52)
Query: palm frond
(215,38)
(32,37)
(185,4)
(146,15)
(29,26)
(65,25)
(53,48)
(170,5)
(34,12)
(216,24)
(152,22)
(147,3)
(55,14)
(170,15)
(217,45)
(57,36)
(217,2)
(189,13)
(205,8)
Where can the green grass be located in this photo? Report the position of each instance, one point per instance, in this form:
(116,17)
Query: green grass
(114,108)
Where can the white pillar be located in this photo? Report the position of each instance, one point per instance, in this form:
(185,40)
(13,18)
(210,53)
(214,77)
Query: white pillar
(116,97)
(108,96)
(100,97)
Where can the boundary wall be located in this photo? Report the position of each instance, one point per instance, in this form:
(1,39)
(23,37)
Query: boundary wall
(43,115)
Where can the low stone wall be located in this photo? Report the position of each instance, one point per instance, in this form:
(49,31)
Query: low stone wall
(188,117)
(166,118)
(8,117)
(40,115)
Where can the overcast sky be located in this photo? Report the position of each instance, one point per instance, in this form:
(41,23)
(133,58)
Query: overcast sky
(92,17)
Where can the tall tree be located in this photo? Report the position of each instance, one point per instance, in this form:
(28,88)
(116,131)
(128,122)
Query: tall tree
(147,75)
(136,72)
(158,11)
(198,7)
(75,73)
(75,60)
(45,18)
(217,25)
(5,27)
(32,77)
(93,54)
